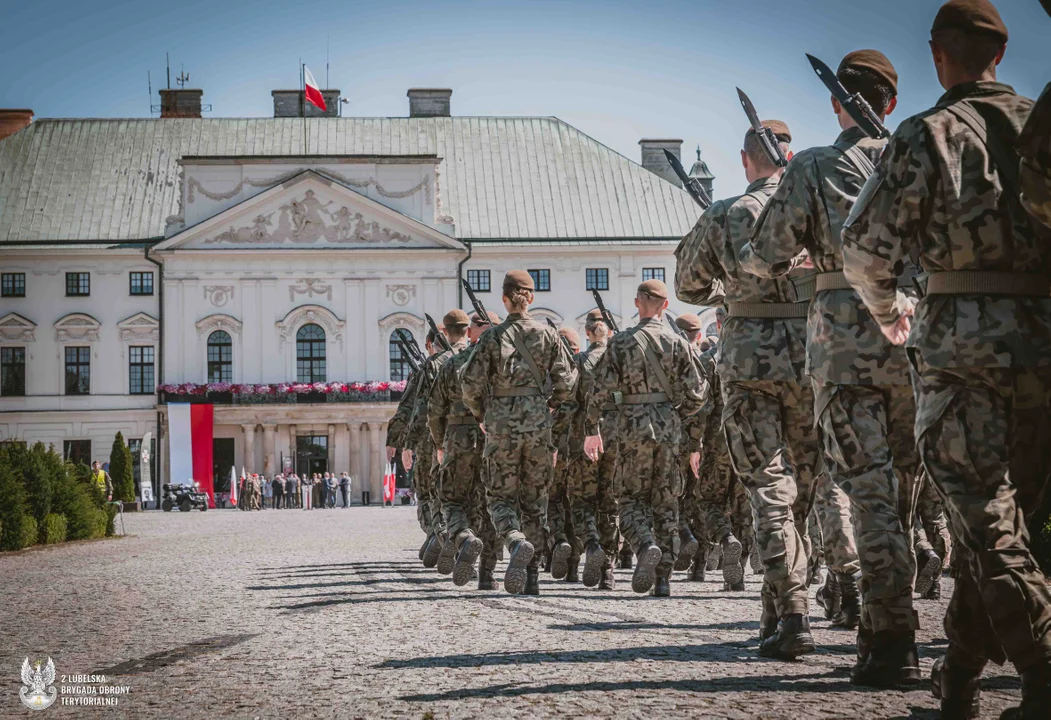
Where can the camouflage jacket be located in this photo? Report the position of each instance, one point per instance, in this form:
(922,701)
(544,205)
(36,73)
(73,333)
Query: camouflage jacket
(417,436)
(624,369)
(938,194)
(570,431)
(446,401)
(1035,146)
(694,426)
(495,365)
(807,212)
(712,439)
(708,260)
(399,423)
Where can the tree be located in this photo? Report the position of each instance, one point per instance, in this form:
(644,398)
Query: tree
(120,470)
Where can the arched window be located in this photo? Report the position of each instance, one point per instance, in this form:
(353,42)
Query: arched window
(399,365)
(310,354)
(220,357)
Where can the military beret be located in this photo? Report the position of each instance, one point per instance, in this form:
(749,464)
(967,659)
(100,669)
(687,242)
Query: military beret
(571,335)
(872,61)
(518,280)
(655,289)
(477,319)
(971,15)
(780,129)
(455,318)
(688,322)
(594,316)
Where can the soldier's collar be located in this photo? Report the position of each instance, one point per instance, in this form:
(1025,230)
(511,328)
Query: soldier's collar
(755,185)
(974,89)
(852,134)
(517,316)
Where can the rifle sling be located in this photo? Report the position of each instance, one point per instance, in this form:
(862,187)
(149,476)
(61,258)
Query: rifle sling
(516,337)
(646,345)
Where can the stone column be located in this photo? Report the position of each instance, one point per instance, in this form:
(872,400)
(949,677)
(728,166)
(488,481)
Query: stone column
(292,446)
(377,458)
(270,450)
(357,459)
(331,448)
(249,448)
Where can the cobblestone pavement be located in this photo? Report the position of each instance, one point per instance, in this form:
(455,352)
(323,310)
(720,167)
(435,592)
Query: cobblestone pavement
(281,614)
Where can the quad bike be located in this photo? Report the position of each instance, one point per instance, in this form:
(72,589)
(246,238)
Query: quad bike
(184,497)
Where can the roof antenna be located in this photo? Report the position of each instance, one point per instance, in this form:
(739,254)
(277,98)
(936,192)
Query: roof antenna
(149,84)
(183,78)
(168,63)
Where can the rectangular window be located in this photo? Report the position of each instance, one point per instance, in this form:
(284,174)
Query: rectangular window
(140,379)
(77,452)
(13,285)
(478,280)
(652,274)
(142,283)
(78,284)
(78,370)
(13,371)
(541,280)
(596,279)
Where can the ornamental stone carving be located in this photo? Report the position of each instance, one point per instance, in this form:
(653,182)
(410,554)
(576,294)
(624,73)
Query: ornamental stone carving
(139,326)
(306,314)
(401,294)
(15,328)
(77,326)
(194,186)
(310,287)
(207,325)
(218,295)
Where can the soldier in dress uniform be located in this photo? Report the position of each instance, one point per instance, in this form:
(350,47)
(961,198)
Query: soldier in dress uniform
(945,194)
(517,373)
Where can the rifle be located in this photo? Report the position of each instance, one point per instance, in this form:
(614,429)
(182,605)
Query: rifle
(439,338)
(691,185)
(478,307)
(563,338)
(607,316)
(678,330)
(410,348)
(766,136)
(406,354)
(855,105)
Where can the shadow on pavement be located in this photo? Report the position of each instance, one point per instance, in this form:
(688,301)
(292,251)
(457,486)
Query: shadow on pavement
(631,626)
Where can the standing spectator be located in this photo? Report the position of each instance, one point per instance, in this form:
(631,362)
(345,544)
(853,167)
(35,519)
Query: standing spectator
(277,490)
(317,497)
(333,484)
(292,491)
(307,487)
(344,488)
(268,493)
(102,480)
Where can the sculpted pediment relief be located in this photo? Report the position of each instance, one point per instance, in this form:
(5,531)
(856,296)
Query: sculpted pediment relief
(16,328)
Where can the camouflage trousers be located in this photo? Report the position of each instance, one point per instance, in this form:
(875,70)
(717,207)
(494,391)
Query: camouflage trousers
(425,483)
(770,433)
(832,515)
(648,486)
(589,487)
(984,435)
(742,519)
(712,493)
(517,471)
(560,508)
(870,452)
(464,504)
(930,515)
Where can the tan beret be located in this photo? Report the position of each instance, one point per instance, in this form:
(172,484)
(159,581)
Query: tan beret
(979,16)
(571,335)
(655,289)
(455,318)
(872,61)
(595,316)
(780,129)
(688,322)
(518,280)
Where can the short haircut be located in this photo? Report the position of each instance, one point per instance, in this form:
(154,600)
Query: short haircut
(430,337)
(877,92)
(972,52)
(753,148)
(455,332)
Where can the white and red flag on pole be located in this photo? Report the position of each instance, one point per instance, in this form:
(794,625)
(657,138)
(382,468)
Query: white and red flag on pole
(233,486)
(190,444)
(313,92)
(389,481)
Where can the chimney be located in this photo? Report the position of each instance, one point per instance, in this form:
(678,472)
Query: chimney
(653,158)
(292,104)
(11,121)
(429,102)
(181,103)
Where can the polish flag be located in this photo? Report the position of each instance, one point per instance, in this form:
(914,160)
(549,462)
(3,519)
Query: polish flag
(233,486)
(313,92)
(190,429)
(389,479)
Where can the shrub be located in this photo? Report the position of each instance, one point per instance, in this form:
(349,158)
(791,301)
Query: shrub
(30,533)
(31,468)
(15,517)
(54,529)
(78,500)
(120,470)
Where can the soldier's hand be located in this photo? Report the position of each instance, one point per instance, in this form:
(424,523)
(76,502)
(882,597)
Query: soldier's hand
(554,459)
(695,464)
(390,453)
(482,426)
(898,333)
(440,454)
(803,261)
(593,447)
(406,459)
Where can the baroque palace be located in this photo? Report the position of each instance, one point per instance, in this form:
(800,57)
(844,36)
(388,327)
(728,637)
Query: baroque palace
(262,264)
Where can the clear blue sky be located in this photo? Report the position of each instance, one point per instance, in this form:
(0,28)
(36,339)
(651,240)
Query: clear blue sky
(619,71)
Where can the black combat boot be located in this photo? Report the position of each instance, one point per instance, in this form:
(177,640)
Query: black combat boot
(547,562)
(423,548)
(768,618)
(573,569)
(662,588)
(521,552)
(625,558)
(864,649)
(959,689)
(430,551)
(697,568)
(791,640)
(733,573)
(736,587)
(486,581)
(447,557)
(646,568)
(607,582)
(532,585)
(1036,694)
(594,564)
(935,593)
(687,548)
(849,603)
(929,569)
(463,570)
(828,596)
(892,663)
(560,559)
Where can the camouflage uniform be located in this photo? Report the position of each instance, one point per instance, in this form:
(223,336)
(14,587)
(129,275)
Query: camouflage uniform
(461,490)
(649,430)
(418,438)
(981,347)
(500,390)
(714,488)
(1035,146)
(863,402)
(768,407)
(397,430)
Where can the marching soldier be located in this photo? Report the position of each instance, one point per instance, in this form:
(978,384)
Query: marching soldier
(980,339)
(863,401)
(565,545)
(651,374)
(505,384)
(693,435)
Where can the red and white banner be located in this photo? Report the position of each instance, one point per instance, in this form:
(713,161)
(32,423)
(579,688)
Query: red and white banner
(233,487)
(389,482)
(190,428)
(313,92)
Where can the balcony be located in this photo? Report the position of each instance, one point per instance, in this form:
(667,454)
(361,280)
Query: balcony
(281,393)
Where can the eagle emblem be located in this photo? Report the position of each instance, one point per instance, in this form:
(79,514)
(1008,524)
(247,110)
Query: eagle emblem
(38,691)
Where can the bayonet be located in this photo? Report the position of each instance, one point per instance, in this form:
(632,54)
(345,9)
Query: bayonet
(855,105)
(563,338)
(406,353)
(439,337)
(607,316)
(678,330)
(478,307)
(766,136)
(691,185)
(409,346)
